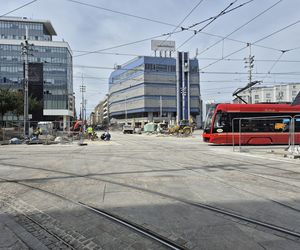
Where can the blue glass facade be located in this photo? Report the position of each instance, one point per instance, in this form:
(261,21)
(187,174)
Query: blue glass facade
(145,88)
(55,56)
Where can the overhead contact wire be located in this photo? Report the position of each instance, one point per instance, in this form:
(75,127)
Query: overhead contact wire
(257,41)
(22,6)
(240,27)
(216,17)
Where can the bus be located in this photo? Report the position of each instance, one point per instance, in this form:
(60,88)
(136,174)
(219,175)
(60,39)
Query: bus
(251,124)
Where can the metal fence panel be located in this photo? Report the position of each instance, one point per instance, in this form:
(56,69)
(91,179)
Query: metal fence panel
(295,143)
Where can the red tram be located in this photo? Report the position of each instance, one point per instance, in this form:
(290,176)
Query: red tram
(224,126)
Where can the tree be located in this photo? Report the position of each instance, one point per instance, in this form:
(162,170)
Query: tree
(4,101)
(19,103)
(10,101)
(13,100)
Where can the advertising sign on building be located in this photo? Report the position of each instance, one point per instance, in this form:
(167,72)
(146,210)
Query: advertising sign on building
(162,45)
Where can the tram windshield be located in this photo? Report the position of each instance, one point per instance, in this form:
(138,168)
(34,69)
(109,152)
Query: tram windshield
(209,118)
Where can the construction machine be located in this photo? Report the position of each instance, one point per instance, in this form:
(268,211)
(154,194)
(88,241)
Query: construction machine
(182,128)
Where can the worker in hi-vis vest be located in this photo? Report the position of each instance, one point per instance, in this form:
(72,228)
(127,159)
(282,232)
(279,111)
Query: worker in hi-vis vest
(90,131)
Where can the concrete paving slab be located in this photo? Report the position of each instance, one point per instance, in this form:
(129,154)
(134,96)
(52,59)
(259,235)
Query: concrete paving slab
(131,175)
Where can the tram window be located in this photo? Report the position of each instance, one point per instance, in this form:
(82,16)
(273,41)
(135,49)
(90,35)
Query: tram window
(218,121)
(261,125)
(297,125)
(218,124)
(266,125)
(209,118)
(222,123)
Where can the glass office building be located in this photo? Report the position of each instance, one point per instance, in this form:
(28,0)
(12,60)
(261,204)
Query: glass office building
(144,90)
(55,58)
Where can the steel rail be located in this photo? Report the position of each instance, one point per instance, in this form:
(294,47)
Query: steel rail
(42,226)
(133,226)
(250,220)
(145,231)
(195,204)
(200,205)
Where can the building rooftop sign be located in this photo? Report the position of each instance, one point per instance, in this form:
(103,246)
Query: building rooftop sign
(162,45)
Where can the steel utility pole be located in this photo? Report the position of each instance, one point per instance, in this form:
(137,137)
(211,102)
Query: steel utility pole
(26,48)
(85,103)
(249,64)
(160,106)
(82,90)
(249,61)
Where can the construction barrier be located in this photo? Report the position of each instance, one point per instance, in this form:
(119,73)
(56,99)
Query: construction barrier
(45,132)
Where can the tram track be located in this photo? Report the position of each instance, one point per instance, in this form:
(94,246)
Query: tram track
(182,168)
(263,176)
(218,210)
(40,231)
(203,167)
(259,165)
(233,216)
(240,189)
(192,167)
(164,241)
(196,167)
(249,192)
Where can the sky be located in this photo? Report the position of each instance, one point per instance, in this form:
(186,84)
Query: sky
(86,28)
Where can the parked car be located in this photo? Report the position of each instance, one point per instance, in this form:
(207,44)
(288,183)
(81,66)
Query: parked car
(127,129)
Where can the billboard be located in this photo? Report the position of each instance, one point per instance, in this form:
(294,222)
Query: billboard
(162,45)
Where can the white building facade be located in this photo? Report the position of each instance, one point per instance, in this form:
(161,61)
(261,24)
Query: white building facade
(276,94)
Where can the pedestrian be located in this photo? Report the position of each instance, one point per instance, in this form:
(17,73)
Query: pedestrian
(107,136)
